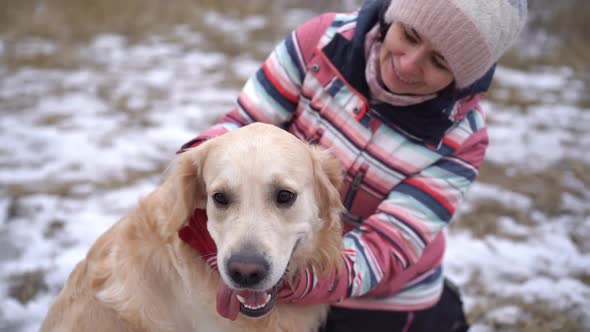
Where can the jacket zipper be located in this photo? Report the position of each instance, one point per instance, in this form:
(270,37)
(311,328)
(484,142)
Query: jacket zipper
(316,136)
(354,186)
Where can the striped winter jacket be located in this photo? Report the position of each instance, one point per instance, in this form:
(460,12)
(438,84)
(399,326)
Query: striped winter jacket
(402,183)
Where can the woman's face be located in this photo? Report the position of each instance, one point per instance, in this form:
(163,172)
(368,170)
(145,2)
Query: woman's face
(410,65)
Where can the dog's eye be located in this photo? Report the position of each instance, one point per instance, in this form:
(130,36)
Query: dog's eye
(221,199)
(285,197)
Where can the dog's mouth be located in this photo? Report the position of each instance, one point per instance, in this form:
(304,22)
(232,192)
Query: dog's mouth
(256,304)
(251,303)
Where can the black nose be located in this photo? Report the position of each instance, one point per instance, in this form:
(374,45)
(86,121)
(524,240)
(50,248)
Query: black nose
(247,270)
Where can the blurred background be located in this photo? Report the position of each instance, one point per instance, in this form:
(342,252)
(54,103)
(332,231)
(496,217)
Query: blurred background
(96,96)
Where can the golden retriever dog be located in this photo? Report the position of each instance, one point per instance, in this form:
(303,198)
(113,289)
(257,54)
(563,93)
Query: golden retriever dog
(273,209)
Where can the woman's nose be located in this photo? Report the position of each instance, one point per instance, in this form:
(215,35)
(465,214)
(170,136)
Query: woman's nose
(412,62)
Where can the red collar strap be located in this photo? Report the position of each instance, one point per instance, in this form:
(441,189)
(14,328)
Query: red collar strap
(196,235)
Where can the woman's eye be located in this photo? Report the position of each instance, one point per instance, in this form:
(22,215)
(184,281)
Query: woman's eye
(439,64)
(410,38)
(285,197)
(220,199)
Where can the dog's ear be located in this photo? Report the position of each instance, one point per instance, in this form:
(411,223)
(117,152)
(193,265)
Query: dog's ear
(328,179)
(185,187)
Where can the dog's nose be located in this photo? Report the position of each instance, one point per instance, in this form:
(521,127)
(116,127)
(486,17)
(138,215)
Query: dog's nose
(247,270)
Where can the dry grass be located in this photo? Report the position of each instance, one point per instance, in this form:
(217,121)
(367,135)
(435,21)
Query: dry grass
(75,20)
(482,221)
(537,316)
(24,287)
(53,228)
(544,187)
(71,23)
(566,24)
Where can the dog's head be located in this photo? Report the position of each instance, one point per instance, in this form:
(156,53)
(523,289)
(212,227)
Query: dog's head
(273,208)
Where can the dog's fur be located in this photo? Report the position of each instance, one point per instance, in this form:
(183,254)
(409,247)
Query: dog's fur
(139,276)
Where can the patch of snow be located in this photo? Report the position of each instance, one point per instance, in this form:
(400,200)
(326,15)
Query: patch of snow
(506,315)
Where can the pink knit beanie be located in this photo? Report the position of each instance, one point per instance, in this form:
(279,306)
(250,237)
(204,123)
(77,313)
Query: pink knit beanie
(470,34)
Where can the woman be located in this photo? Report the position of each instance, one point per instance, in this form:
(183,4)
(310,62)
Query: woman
(392,90)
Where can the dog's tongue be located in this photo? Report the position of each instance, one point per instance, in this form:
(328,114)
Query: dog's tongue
(228,305)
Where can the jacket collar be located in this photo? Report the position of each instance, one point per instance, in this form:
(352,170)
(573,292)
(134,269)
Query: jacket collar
(428,121)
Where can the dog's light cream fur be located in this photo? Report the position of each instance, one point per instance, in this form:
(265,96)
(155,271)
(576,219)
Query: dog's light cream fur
(139,276)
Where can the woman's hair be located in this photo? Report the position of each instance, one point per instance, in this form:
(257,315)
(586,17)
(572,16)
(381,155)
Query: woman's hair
(383,24)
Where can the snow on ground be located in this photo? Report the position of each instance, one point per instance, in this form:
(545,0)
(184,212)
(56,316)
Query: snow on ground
(79,146)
